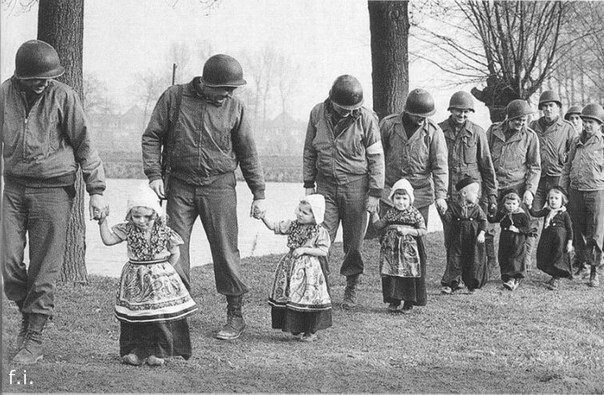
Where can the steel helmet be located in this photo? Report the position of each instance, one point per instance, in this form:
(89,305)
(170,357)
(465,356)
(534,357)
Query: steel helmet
(462,101)
(574,110)
(36,59)
(518,108)
(419,103)
(347,92)
(548,97)
(593,111)
(222,71)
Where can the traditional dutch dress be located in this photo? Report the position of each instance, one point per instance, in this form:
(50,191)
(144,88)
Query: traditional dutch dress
(299,296)
(552,257)
(402,258)
(466,259)
(512,245)
(152,302)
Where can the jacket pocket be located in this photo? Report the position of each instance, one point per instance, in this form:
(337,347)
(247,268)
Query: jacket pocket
(469,151)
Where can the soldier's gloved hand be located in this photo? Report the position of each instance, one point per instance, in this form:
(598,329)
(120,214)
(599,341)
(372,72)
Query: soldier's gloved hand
(492,204)
(441,206)
(257,210)
(372,204)
(158,188)
(527,198)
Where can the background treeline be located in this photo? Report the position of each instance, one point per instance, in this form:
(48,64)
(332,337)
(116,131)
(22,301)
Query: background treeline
(126,164)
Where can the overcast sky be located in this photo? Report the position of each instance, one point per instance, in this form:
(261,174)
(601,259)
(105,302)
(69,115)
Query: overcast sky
(327,38)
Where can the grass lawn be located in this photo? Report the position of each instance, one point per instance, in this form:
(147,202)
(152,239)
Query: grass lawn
(529,340)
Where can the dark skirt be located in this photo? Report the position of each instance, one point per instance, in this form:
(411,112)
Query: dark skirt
(408,289)
(162,339)
(552,257)
(300,322)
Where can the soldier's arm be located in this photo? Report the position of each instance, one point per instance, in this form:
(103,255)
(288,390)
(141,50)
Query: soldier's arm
(533,165)
(309,155)
(75,126)
(247,155)
(375,157)
(153,136)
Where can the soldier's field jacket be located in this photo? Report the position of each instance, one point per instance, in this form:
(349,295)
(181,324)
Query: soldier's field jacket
(554,144)
(469,155)
(422,159)
(208,140)
(354,153)
(516,161)
(43,147)
(584,169)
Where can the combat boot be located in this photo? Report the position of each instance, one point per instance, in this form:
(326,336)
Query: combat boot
(594,278)
(350,292)
(22,330)
(235,323)
(24,325)
(31,349)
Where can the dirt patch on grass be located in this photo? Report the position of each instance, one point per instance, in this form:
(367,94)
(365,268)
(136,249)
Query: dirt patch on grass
(529,340)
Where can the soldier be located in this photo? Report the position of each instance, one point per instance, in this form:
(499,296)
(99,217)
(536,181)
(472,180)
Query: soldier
(469,155)
(583,178)
(415,149)
(555,138)
(343,156)
(44,138)
(515,152)
(573,115)
(207,134)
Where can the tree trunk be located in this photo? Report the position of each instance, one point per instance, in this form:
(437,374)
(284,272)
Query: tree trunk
(389,27)
(61,24)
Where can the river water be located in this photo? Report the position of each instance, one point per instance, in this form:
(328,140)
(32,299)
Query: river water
(254,238)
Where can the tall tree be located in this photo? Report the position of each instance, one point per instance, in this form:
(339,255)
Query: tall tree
(61,24)
(389,27)
(512,45)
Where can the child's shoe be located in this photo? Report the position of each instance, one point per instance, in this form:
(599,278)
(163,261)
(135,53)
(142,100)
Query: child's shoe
(407,307)
(393,307)
(155,361)
(516,283)
(132,359)
(446,290)
(298,336)
(457,286)
(553,284)
(510,284)
(309,337)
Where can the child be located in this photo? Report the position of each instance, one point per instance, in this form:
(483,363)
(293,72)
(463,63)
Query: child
(152,302)
(556,240)
(402,257)
(467,222)
(299,298)
(515,228)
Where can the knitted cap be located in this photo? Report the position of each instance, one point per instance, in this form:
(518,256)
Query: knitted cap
(404,185)
(464,182)
(317,205)
(143,196)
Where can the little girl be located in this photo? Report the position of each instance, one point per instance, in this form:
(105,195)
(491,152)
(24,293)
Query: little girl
(152,302)
(466,257)
(515,228)
(402,253)
(299,298)
(556,240)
